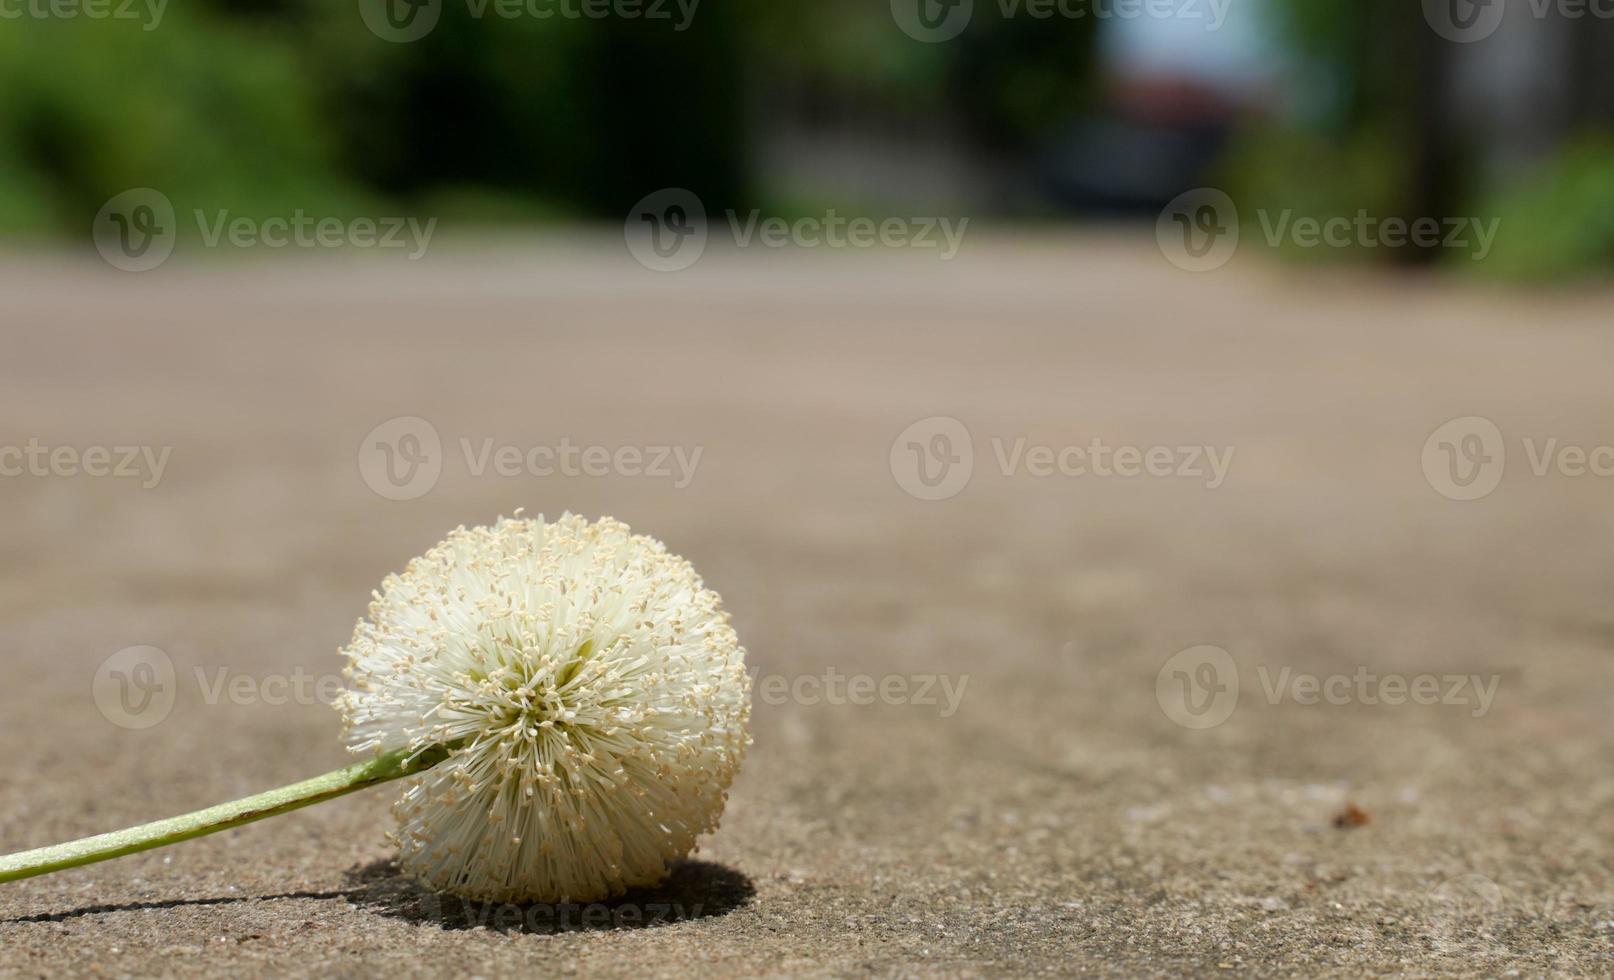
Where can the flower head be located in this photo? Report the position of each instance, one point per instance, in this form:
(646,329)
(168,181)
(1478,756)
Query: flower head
(590,693)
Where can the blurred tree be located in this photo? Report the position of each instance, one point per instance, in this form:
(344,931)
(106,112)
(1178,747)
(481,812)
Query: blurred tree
(585,115)
(1017,78)
(1379,80)
(209,116)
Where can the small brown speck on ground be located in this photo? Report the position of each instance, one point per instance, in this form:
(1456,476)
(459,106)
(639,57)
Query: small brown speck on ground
(1351,817)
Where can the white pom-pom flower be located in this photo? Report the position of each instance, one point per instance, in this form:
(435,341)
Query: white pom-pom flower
(590,694)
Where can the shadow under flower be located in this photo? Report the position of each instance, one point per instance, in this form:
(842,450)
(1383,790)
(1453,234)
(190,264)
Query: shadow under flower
(694,890)
(176,903)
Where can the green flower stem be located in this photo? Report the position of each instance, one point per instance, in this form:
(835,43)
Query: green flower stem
(44,860)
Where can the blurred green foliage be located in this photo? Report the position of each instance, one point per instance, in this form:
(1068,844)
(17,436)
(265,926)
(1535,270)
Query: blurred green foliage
(1559,223)
(264,106)
(212,115)
(1276,169)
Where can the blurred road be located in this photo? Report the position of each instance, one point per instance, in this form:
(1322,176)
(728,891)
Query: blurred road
(1048,807)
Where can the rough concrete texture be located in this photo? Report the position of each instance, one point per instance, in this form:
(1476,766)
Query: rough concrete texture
(1059,821)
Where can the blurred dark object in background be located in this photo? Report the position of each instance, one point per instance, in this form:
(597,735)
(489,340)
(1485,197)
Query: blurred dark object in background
(1175,91)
